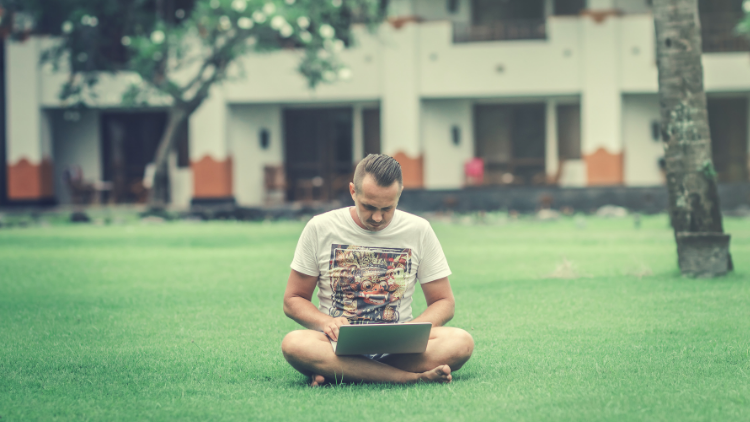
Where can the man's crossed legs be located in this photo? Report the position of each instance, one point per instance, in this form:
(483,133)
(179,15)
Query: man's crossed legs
(311,353)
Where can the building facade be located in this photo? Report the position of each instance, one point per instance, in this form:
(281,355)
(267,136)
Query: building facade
(545,92)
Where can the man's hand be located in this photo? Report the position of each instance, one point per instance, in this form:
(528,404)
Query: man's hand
(331,329)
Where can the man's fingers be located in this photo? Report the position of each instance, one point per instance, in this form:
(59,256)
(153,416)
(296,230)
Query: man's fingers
(335,334)
(331,333)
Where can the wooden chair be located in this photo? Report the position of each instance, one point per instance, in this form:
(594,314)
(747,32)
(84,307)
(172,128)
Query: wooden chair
(81,192)
(274,184)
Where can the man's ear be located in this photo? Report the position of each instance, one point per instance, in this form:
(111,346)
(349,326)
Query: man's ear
(352,190)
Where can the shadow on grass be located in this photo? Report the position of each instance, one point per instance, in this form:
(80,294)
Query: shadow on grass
(300,381)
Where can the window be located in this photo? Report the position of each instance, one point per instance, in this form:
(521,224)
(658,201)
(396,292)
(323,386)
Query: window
(498,20)
(569,7)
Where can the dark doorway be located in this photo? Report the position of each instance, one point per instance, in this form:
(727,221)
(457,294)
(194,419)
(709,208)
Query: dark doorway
(569,132)
(727,118)
(569,7)
(318,153)
(511,141)
(371,128)
(129,143)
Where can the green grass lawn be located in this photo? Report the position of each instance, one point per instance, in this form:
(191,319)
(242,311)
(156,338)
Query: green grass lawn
(184,321)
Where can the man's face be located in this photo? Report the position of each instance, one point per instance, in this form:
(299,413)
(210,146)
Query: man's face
(374,204)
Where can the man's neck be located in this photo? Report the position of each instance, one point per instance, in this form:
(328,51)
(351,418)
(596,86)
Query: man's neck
(355,217)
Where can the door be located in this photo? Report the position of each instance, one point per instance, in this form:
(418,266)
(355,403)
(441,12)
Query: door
(510,138)
(371,128)
(318,152)
(727,119)
(129,143)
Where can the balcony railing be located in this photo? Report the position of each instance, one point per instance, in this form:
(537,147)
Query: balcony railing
(502,30)
(718,33)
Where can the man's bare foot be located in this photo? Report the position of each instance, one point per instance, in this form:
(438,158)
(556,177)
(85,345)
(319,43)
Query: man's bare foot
(317,380)
(440,374)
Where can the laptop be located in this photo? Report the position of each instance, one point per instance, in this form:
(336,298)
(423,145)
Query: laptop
(368,339)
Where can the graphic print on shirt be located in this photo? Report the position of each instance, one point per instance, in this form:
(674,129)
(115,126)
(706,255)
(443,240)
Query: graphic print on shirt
(368,282)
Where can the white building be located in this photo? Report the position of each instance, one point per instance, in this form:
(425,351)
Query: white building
(544,91)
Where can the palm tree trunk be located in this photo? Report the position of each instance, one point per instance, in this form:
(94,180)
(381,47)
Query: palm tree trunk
(159,195)
(703,249)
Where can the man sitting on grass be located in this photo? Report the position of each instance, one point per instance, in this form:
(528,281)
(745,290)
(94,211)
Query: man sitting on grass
(365,261)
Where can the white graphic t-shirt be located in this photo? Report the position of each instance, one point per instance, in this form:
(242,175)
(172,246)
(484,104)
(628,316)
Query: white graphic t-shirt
(369,276)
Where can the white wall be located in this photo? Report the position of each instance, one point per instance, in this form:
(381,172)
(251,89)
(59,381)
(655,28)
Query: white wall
(529,67)
(632,6)
(642,152)
(180,184)
(273,77)
(726,72)
(23,113)
(600,103)
(438,10)
(444,161)
(75,142)
(637,55)
(400,104)
(248,158)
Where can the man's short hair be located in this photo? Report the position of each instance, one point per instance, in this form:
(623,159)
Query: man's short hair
(384,169)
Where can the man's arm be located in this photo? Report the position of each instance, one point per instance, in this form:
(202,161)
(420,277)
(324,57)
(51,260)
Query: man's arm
(440,302)
(298,306)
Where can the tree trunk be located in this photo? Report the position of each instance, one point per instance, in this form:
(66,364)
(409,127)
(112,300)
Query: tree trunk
(158,197)
(691,179)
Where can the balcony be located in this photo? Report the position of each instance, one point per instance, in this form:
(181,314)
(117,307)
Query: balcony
(501,30)
(717,30)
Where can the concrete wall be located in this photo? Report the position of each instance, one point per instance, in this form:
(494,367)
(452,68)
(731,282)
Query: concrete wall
(637,55)
(245,123)
(632,6)
(642,152)
(438,10)
(273,77)
(496,68)
(400,105)
(444,161)
(23,112)
(75,142)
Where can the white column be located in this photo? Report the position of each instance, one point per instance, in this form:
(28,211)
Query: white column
(551,159)
(358,138)
(748,134)
(28,137)
(210,158)
(601,102)
(400,8)
(400,105)
(208,128)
